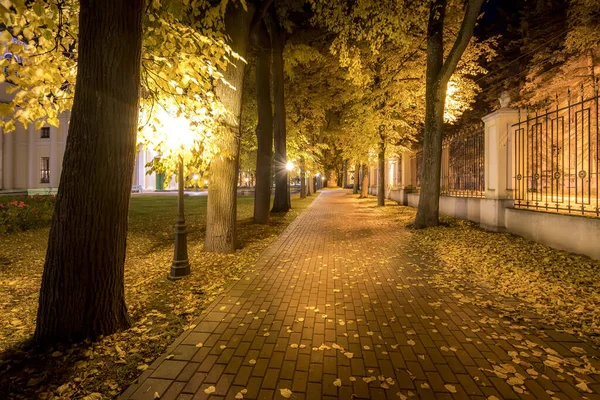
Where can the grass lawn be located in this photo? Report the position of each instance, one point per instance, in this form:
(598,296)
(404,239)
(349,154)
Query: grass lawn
(160,309)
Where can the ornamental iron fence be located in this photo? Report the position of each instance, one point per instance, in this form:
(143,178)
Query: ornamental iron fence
(463,165)
(557,156)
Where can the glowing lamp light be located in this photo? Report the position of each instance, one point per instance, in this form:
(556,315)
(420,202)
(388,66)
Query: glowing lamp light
(289,166)
(206,182)
(318,175)
(246,180)
(180,134)
(196,176)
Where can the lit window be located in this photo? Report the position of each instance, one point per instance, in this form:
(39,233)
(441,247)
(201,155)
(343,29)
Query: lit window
(45,133)
(45,170)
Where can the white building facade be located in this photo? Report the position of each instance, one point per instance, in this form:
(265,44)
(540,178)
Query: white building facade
(31,160)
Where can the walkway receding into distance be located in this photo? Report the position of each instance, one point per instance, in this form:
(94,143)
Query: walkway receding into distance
(339,307)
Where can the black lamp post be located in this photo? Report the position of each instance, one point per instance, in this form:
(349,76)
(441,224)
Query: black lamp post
(181,264)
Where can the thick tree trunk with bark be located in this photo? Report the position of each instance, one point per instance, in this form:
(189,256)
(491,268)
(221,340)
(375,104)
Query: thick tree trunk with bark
(308,186)
(222,192)
(364,185)
(82,292)
(302,184)
(356,179)
(438,75)
(280,202)
(264,130)
(381,174)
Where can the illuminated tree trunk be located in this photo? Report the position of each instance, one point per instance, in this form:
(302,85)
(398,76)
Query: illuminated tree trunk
(308,186)
(381,174)
(302,180)
(82,292)
(356,179)
(437,76)
(280,202)
(264,130)
(364,185)
(222,194)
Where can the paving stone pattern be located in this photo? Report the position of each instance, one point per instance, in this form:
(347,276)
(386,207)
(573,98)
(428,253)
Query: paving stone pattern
(335,297)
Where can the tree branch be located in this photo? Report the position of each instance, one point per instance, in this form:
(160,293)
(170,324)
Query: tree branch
(462,40)
(260,14)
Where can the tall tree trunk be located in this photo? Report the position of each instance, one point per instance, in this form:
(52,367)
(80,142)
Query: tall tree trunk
(308,186)
(381,174)
(221,214)
(264,130)
(280,202)
(82,292)
(356,179)
(364,185)
(437,76)
(302,180)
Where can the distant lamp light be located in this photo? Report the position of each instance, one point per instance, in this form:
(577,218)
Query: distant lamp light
(206,182)
(323,178)
(246,180)
(195,176)
(289,166)
(318,175)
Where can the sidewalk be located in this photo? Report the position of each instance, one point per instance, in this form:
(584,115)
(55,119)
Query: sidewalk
(339,307)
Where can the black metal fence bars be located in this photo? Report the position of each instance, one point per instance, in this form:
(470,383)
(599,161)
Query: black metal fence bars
(463,165)
(557,156)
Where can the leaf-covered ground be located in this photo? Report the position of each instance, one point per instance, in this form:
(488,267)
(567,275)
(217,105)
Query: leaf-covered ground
(160,309)
(553,287)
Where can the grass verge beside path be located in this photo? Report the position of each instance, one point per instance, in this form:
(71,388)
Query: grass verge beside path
(556,288)
(160,309)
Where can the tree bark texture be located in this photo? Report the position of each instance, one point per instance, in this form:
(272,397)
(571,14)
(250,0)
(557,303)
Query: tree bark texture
(381,174)
(364,185)
(437,76)
(280,202)
(302,182)
(82,292)
(356,179)
(221,214)
(264,129)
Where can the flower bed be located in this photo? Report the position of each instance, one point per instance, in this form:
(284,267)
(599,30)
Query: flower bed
(23,213)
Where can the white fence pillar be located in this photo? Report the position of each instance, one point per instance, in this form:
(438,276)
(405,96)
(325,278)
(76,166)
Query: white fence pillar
(499,165)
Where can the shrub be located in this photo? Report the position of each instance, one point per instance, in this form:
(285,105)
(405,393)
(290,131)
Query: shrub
(23,213)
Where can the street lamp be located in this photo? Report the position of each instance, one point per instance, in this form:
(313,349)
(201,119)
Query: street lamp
(181,264)
(180,140)
(196,179)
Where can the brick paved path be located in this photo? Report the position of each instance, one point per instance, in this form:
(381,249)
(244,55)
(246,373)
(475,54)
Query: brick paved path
(338,296)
